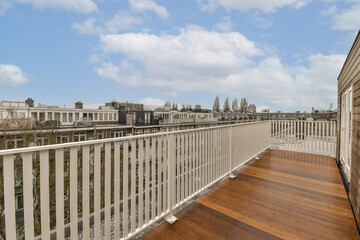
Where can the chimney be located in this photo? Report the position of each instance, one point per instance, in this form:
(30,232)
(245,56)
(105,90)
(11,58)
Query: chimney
(78,105)
(30,102)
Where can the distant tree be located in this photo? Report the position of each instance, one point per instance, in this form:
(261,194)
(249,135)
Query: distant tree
(167,104)
(265,110)
(183,108)
(235,105)
(216,106)
(226,107)
(190,107)
(174,106)
(244,105)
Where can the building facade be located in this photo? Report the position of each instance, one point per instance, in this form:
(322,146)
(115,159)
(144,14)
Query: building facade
(348,128)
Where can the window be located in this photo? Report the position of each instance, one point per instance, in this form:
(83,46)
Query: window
(101,116)
(105,116)
(138,132)
(42,116)
(77,117)
(100,135)
(65,139)
(34,115)
(64,117)
(57,116)
(115,117)
(134,118)
(110,116)
(119,134)
(70,117)
(90,116)
(96,117)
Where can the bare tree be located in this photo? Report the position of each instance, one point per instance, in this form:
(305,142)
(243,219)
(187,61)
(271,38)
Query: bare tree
(216,106)
(235,105)
(244,105)
(226,105)
(183,108)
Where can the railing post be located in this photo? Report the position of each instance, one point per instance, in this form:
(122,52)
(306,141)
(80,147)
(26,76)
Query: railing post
(171,177)
(230,130)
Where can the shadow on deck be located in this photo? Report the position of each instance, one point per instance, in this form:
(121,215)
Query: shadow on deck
(284,195)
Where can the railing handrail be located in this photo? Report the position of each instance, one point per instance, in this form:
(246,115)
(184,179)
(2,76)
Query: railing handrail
(100,141)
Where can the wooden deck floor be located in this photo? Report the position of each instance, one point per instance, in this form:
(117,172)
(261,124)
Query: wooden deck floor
(284,195)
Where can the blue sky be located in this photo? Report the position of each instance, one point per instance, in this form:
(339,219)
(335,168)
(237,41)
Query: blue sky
(282,54)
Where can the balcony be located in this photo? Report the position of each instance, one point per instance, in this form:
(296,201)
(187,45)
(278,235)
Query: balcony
(117,188)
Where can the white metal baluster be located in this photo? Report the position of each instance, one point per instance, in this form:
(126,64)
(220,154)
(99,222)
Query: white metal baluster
(197,155)
(165,173)
(9,196)
(186,165)
(159,184)
(202,159)
(28,195)
(191,159)
(182,167)
(141,182)
(153,188)
(206,158)
(117,190)
(59,179)
(331,138)
(107,190)
(85,191)
(73,193)
(171,187)
(291,134)
(177,161)
(327,137)
(133,185)
(44,194)
(147,179)
(97,190)
(125,188)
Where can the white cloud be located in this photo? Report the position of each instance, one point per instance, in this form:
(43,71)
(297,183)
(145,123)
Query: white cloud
(261,108)
(259,21)
(222,63)
(347,19)
(11,75)
(4,6)
(152,101)
(87,27)
(225,25)
(149,5)
(246,5)
(121,21)
(81,6)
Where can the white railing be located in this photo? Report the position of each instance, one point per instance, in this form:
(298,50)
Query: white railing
(304,136)
(122,185)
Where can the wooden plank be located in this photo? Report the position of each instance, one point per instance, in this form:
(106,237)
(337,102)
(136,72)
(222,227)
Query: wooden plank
(265,203)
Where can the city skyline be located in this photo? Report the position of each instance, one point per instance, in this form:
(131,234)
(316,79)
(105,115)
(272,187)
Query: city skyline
(281,55)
